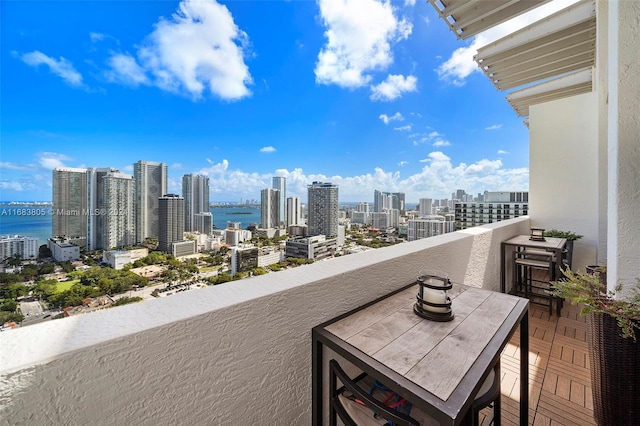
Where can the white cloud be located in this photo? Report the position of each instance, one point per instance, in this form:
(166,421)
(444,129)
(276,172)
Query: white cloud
(406,128)
(393,87)
(125,70)
(434,138)
(409,2)
(502,152)
(13,166)
(51,160)
(96,37)
(267,149)
(494,127)
(395,117)
(359,36)
(461,64)
(62,67)
(403,163)
(11,186)
(437,178)
(199,49)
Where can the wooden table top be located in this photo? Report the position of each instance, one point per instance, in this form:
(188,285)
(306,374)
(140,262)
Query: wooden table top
(548,243)
(436,356)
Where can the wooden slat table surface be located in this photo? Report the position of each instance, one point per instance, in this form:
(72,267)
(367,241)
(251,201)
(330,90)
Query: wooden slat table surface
(442,363)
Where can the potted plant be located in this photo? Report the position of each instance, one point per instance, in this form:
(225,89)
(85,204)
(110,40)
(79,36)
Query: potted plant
(567,235)
(614,352)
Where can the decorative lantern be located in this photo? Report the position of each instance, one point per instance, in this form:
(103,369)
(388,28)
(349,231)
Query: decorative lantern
(537,234)
(432,300)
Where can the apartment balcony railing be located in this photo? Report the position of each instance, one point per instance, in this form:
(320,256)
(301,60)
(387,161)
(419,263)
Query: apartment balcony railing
(232,354)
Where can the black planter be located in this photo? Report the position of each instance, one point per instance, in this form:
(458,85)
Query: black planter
(569,252)
(615,372)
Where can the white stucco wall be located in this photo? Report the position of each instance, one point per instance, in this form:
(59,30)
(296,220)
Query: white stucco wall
(623,45)
(563,171)
(233,354)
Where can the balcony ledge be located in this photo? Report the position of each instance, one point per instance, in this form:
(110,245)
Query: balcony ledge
(207,352)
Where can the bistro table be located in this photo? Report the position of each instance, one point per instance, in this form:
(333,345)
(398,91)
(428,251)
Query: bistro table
(437,366)
(555,245)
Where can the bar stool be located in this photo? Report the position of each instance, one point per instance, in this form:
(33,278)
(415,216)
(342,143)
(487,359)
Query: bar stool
(526,263)
(489,395)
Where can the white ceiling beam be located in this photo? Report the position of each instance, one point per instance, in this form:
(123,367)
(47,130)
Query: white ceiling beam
(565,18)
(467,18)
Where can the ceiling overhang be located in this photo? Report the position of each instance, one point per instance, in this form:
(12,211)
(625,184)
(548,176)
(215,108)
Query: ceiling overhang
(553,55)
(561,43)
(467,18)
(572,84)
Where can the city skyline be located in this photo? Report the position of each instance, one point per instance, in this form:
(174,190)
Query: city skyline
(92,85)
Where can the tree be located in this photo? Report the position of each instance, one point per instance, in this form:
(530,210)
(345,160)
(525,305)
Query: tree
(14,260)
(13,291)
(66,266)
(9,306)
(44,252)
(46,268)
(10,316)
(259,271)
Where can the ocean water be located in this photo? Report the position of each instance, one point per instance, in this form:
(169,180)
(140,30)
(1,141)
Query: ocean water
(32,221)
(245,215)
(37,222)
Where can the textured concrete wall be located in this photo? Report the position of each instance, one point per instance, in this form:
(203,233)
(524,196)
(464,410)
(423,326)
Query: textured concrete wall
(563,171)
(233,354)
(623,246)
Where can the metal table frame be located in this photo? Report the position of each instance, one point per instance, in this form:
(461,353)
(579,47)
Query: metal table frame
(449,412)
(556,245)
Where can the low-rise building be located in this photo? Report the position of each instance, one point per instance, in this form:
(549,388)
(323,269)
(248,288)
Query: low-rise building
(183,248)
(118,258)
(63,249)
(317,247)
(269,256)
(234,237)
(243,258)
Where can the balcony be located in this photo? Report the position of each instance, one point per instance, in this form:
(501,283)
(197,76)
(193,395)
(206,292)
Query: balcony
(240,353)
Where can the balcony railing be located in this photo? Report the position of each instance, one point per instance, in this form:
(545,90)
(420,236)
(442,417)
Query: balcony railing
(234,354)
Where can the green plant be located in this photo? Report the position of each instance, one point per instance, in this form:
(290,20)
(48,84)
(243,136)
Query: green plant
(589,291)
(568,235)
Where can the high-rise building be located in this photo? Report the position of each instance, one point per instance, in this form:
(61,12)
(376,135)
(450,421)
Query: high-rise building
(380,220)
(388,200)
(322,209)
(171,221)
(150,184)
(280,184)
(362,207)
(294,211)
(203,222)
(500,206)
(430,226)
(70,204)
(26,247)
(119,213)
(97,206)
(195,190)
(424,207)
(269,208)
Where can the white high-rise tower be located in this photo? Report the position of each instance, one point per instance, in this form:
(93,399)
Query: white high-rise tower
(150,185)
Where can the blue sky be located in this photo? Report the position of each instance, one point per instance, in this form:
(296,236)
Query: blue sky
(366,95)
